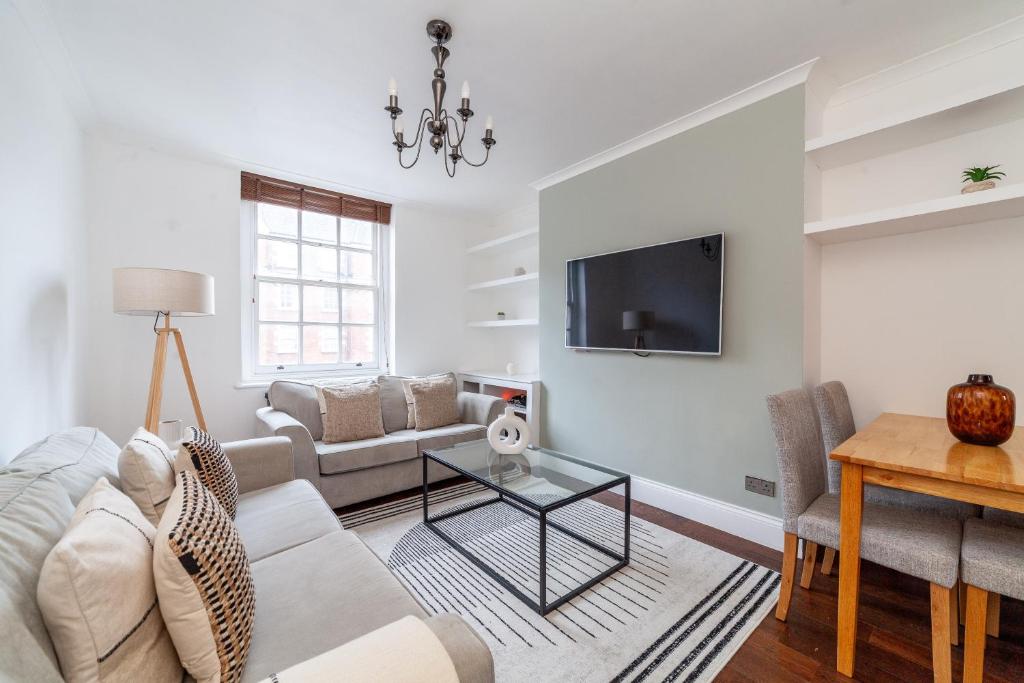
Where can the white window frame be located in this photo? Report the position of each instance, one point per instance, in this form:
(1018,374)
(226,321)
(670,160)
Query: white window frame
(252,372)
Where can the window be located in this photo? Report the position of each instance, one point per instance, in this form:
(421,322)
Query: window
(318,292)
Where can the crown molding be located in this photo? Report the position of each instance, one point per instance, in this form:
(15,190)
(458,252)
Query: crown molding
(759,91)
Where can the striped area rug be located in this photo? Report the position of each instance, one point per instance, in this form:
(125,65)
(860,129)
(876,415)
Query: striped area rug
(678,612)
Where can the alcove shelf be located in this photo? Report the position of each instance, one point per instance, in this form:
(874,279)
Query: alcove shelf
(963,112)
(512,239)
(1006,201)
(522,322)
(503,282)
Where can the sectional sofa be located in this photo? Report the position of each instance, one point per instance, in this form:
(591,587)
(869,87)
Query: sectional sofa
(318,587)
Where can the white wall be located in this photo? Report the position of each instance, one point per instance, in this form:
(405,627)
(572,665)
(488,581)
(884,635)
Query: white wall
(428,291)
(905,317)
(151,208)
(42,227)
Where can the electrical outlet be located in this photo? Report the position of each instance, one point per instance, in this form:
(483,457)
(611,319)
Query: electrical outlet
(761,486)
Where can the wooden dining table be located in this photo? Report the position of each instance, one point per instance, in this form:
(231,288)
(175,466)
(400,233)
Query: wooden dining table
(917,454)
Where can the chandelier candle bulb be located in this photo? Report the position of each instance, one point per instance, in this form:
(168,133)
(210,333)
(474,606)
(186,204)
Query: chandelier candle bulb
(489,125)
(392,87)
(465,90)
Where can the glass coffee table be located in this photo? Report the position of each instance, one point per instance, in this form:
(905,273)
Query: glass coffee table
(536,483)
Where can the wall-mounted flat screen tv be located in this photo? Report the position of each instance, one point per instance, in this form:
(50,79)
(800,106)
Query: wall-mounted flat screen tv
(665,298)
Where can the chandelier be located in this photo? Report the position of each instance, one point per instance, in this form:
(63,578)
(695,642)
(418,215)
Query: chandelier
(444,129)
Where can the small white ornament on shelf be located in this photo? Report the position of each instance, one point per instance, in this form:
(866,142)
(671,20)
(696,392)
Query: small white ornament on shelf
(516,437)
(519,271)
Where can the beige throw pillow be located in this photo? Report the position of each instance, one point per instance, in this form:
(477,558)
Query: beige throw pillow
(204,583)
(146,470)
(435,403)
(97,596)
(201,454)
(353,413)
(409,399)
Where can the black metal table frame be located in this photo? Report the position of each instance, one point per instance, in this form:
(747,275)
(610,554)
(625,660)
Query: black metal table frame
(539,512)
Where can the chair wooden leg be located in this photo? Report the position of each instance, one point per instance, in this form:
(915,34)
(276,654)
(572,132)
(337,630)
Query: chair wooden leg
(974,634)
(827,561)
(992,624)
(961,589)
(788,575)
(810,557)
(954,616)
(942,663)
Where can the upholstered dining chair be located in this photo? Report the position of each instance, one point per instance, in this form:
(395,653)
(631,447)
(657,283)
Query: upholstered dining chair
(836,417)
(923,545)
(991,564)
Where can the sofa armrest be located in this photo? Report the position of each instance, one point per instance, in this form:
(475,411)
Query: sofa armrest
(404,651)
(467,650)
(479,409)
(270,422)
(259,463)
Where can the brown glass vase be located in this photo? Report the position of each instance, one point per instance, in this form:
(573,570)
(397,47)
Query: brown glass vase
(980,411)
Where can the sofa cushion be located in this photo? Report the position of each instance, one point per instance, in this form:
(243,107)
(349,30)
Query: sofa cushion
(410,400)
(318,596)
(204,583)
(336,458)
(203,455)
(353,413)
(146,467)
(280,517)
(106,552)
(34,511)
(393,407)
(442,437)
(75,459)
(434,403)
(298,399)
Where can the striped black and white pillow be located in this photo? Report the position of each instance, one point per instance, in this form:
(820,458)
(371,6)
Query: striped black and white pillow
(203,455)
(204,582)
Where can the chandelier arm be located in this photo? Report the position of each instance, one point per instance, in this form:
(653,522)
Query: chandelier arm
(417,144)
(461,133)
(419,130)
(451,172)
(487,155)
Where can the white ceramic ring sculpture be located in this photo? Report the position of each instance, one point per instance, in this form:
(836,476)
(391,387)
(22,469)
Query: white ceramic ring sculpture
(517,437)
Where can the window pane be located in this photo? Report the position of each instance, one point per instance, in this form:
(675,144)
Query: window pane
(279,302)
(319,344)
(319,227)
(279,259)
(320,304)
(277,220)
(319,263)
(356,233)
(357,267)
(357,306)
(279,345)
(357,344)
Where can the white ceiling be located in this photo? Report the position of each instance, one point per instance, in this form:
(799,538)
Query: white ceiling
(301,86)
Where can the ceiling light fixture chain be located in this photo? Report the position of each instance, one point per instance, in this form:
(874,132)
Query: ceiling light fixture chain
(445,131)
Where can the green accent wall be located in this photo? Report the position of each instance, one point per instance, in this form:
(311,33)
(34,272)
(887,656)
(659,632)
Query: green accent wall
(693,422)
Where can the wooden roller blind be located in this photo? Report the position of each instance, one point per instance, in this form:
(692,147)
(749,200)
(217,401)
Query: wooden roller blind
(285,193)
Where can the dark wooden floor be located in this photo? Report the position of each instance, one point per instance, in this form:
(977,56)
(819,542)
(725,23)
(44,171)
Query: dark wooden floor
(893,636)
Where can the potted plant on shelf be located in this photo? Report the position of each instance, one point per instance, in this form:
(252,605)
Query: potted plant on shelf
(981,178)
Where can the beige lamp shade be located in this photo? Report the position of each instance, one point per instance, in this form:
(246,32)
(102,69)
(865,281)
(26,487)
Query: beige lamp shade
(146,291)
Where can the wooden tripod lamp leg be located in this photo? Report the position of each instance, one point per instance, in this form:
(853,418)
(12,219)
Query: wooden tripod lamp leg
(188,378)
(156,382)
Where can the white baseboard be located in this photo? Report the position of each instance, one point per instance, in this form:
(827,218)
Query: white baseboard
(738,521)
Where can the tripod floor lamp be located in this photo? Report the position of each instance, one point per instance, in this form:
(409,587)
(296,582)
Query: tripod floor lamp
(162,292)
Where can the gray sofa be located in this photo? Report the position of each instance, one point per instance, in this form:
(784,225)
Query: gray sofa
(355,471)
(317,585)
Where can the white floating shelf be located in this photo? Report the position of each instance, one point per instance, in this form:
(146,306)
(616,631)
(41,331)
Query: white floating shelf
(506,240)
(964,112)
(523,322)
(1006,201)
(501,282)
